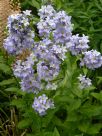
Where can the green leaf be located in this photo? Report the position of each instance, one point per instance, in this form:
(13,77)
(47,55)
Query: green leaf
(98,96)
(15,90)
(7,82)
(19,103)
(94,129)
(91,110)
(99,80)
(5,68)
(83,126)
(99,6)
(34,3)
(48,134)
(62,98)
(55,133)
(75,105)
(24,123)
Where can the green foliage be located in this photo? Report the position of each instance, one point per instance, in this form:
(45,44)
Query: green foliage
(77,112)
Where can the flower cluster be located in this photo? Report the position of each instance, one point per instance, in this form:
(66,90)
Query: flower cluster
(77,44)
(92,59)
(55,25)
(42,103)
(84,81)
(25,71)
(21,35)
(40,69)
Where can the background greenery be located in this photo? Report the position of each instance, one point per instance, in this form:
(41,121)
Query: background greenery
(77,113)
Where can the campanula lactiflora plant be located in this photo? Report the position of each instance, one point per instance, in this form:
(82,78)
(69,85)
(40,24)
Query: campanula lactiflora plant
(54,74)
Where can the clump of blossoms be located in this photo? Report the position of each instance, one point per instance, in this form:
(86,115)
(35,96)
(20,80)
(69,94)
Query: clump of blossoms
(92,59)
(20,33)
(54,24)
(40,69)
(42,103)
(77,44)
(84,81)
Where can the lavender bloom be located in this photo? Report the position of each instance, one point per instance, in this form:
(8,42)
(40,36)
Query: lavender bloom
(24,69)
(62,32)
(46,71)
(92,59)
(9,45)
(56,24)
(21,36)
(42,104)
(31,84)
(45,27)
(46,11)
(18,23)
(60,51)
(27,12)
(51,86)
(77,44)
(84,81)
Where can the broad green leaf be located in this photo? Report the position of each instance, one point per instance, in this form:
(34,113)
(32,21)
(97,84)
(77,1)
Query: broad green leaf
(34,3)
(75,105)
(7,82)
(48,134)
(94,129)
(98,96)
(91,110)
(73,116)
(15,89)
(19,103)
(5,68)
(24,123)
(83,126)
(55,133)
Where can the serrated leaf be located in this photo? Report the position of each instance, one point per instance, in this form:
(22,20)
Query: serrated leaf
(55,133)
(7,82)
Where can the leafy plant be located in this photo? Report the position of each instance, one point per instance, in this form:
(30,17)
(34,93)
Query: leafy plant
(77,111)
